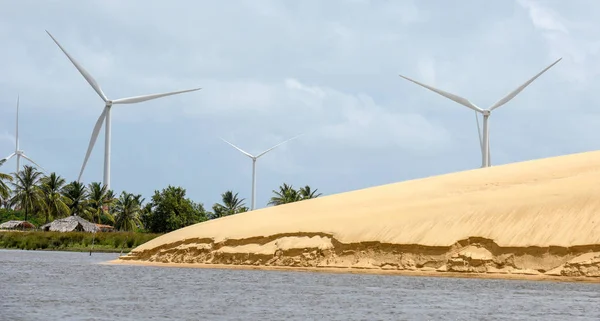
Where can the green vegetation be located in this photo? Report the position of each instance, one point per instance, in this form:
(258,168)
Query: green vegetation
(287,194)
(170,210)
(32,196)
(74,241)
(231,205)
(7,214)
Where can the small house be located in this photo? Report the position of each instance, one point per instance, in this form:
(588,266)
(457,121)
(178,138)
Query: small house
(71,223)
(17,225)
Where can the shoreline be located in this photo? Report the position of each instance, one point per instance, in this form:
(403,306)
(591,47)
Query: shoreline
(83,250)
(340,270)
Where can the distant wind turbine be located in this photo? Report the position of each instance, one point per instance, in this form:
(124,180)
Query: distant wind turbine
(105,115)
(19,153)
(254,158)
(485,140)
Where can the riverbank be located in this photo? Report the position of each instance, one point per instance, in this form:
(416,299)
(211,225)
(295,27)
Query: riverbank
(73,241)
(341,270)
(471,257)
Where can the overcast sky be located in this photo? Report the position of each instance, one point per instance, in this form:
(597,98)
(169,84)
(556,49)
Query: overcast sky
(273,69)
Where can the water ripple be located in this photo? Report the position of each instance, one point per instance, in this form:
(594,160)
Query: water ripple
(71,286)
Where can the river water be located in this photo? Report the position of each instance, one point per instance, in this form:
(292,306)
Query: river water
(37,285)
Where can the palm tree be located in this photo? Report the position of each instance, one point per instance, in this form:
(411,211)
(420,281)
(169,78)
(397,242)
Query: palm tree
(231,205)
(100,198)
(109,210)
(128,208)
(286,194)
(77,195)
(4,188)
(27,192)
(55,203)
(307,193)
(110,194)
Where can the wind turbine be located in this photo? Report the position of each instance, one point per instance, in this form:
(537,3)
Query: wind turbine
(105,115)
(254,158)
(485,140)
(19,153)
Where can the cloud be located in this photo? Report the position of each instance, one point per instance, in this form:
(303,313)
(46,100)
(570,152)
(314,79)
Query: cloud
(271,70)
(7,138)
(426,70)
(544,18)
(327,114)
(570,37)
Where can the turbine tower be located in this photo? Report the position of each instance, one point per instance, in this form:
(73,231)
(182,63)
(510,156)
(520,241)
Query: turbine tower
(485,140)
(105,115)
(19,153)
(254,158)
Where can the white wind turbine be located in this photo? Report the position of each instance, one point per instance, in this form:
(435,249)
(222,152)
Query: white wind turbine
(254,158)
(19,153)
(105,115)
(485,140)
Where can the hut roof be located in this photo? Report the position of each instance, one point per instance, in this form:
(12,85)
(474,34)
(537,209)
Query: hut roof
(105,228)
(16,225)
(69,224)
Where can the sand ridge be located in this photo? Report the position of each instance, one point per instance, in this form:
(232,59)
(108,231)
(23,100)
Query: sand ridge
(533,217)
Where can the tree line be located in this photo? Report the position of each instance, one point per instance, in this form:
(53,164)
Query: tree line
(47,197)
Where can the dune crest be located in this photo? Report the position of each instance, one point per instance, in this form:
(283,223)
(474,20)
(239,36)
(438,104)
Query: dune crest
(534,217)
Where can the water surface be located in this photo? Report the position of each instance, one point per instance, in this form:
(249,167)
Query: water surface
(39,285)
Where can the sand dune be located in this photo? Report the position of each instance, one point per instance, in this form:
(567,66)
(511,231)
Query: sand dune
(532,217)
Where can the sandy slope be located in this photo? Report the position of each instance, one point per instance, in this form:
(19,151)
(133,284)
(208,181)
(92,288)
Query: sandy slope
(532,217)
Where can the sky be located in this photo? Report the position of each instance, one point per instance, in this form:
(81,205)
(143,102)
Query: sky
(272,69)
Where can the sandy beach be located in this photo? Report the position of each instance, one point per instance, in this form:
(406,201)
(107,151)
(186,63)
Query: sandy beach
(537,220)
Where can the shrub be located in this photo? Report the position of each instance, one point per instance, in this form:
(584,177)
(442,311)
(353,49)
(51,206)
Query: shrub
(36,240)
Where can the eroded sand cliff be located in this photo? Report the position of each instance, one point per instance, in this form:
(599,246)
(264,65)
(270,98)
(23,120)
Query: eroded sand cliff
(539,218)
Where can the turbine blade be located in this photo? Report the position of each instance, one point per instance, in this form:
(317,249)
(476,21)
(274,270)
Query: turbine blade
(515,92)
(241,150)
(95,132)
(8,157)
(34,163)
(272,148)
(17,127)
(463,101)
(83,72)
(138,99)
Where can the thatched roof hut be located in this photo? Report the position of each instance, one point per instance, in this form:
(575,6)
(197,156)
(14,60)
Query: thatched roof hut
(16,225)
(70,224)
